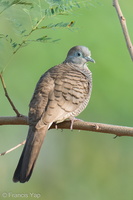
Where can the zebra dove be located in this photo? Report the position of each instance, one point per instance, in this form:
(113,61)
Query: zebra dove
(62,93)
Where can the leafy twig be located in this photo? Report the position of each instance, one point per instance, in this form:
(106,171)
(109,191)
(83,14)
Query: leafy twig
(124,27)
(26,38)
(8,4)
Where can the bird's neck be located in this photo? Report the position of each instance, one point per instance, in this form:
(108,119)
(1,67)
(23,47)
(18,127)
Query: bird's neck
(83,68)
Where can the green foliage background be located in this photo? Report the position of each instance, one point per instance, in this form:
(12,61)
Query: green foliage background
(72,165)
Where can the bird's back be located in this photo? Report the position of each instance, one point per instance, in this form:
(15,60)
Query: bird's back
(64,90)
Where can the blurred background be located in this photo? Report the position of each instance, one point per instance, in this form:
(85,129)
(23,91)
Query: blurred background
(72,165)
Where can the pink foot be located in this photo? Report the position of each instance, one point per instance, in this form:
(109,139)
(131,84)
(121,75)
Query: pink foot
(72,122)
(56,127)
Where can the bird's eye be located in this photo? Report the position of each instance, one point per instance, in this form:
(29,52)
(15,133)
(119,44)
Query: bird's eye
(79,54)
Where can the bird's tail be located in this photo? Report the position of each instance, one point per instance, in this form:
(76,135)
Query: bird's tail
(30,153)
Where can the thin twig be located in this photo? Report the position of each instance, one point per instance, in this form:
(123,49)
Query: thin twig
(9,99)
(12,149)
(124,27)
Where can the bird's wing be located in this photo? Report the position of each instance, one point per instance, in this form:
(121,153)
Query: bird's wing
(64,91)
(40,98)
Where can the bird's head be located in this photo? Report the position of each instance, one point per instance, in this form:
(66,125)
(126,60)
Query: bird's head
(79,55)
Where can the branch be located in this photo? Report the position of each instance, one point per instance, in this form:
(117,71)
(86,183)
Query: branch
(124,27)
(77,125)
(7,96)
(21,120)
(12,149)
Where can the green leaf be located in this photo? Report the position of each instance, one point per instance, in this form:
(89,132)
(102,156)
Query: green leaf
(43,39)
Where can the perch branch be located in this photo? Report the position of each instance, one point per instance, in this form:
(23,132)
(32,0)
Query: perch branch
(124,27)
(7,96)
(78,125)
(21,120)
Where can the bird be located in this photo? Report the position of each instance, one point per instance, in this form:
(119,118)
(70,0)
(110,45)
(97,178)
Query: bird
(61,93)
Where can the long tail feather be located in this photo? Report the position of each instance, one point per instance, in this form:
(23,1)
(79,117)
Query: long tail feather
(30,153)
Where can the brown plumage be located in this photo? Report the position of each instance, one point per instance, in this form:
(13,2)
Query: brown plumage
(62,92)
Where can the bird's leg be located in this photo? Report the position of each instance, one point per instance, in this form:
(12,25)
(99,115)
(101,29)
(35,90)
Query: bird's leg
(72,121)
(55,124)
(56,127)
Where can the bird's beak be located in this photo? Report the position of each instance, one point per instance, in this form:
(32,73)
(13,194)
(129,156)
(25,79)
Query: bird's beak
(88,58)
